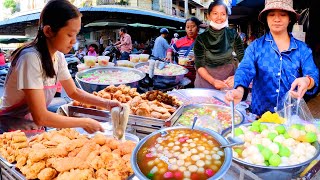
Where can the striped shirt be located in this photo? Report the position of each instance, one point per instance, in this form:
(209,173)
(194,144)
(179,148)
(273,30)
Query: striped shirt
(182,45)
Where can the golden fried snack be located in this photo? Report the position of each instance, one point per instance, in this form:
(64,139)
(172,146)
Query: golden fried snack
(64,164)
(104,148)
(38,146)
(56,152)
(33,170)
(59,138)
(126,147)
(102,174)
(97,163)
(19,145)
(129,168)
(50,144)
(86,150)
(21,161)
(70,133)
(92,155)
(165,115)
(72,144)
(37,154)
(99,139)
(11,158)
(47,174)
(106,156)
(117,151)
(74,152)
(156,114)
(112,143)
(76,174)
(17,139)
(126,157)
(114,175)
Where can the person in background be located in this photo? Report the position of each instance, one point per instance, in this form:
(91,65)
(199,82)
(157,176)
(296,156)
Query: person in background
(183,47)
(174,39)
(2,58)
(35,70)
(80,54)
(101,49)
(92,51)
(161,45)
(277,62)
(213,49)
(125,44)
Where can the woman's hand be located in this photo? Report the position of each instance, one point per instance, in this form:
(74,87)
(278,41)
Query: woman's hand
(234,95)
(112,103)
(301,84)
(230,81)
(92,126)
(218,84)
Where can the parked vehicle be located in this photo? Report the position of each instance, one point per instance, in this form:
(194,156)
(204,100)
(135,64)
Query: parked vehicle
(72,62)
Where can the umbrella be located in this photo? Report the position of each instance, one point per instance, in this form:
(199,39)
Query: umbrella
(102,24)
(168,27)
(141,25)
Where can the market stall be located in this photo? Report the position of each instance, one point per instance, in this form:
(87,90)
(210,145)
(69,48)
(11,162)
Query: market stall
(174,135)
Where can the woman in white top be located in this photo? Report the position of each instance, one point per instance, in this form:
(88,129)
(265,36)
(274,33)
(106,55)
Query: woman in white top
(38,66)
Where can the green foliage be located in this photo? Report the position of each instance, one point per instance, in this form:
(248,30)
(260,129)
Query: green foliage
(10,4)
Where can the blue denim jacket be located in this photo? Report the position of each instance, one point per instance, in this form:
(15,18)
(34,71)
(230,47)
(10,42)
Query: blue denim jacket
(273,72)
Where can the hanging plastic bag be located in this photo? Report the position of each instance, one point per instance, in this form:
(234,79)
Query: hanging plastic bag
(299,122)
(295,111)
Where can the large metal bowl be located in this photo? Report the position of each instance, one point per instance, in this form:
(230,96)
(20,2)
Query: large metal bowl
(223,169)
(280,172)
(165,79)
(90,87)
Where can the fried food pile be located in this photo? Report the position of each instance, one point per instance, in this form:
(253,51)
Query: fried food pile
(10,142)
(121,93)
(67,155)
(155,104)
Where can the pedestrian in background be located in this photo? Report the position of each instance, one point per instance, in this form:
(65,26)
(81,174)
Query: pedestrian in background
(161,44)
(125,44)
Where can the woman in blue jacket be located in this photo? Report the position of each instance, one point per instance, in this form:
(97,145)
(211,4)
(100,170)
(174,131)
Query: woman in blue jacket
(276,62)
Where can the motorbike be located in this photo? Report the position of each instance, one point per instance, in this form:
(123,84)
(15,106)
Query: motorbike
(3,73)
(113,52)
(72,62)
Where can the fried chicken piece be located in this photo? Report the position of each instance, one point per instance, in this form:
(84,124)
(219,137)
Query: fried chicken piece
(143,112)
(105,148)
(86,150)
(57,152)
(74,152)
(106,156)
(135,101)
(97,163)
(99,139)
(126,157)
(76,174)
(102,174)
(21,161)
(156,114)
(47,174)
(37,155)
(33,171)
(64,164)
(73,144)
(126,147)
(112,143)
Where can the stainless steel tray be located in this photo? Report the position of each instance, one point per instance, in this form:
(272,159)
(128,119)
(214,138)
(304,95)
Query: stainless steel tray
(140,124)
(4,161)
(198,96)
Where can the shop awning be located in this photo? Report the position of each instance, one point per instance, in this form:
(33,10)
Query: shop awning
(168,27)
(13,39)
(103,24)
(141,25)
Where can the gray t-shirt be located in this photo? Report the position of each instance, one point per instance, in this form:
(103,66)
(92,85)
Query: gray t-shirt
(160,47)
(28,74)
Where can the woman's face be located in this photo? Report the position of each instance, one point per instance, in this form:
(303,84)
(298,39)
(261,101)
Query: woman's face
(191,29)
(65,38)
(218,14)
(278,21)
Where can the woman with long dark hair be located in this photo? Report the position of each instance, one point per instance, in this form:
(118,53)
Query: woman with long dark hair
(38,66)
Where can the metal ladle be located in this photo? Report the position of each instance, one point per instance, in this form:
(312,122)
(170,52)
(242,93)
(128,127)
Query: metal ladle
(234,141)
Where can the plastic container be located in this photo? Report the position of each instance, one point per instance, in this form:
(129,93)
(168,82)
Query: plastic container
(125,63)
(90,61)
(134,58)
(144,57)
(103,60)
(183,61)
(82,67)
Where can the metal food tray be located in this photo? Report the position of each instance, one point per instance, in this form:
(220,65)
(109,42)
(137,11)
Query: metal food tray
(4,161)
(142,125)
(191,106)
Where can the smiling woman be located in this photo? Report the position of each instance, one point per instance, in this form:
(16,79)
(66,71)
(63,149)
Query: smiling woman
(38,66)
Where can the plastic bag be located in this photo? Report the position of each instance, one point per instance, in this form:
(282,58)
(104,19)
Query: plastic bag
(295,111)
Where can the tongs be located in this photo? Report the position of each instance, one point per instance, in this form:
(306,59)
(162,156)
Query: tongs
(160,62)
(120,117)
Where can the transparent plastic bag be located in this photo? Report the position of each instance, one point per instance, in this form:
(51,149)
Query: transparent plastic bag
(295,111)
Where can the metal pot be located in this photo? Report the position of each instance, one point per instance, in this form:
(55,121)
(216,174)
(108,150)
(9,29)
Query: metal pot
(280,172)
(223,169)
(90,87)
(165,80)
